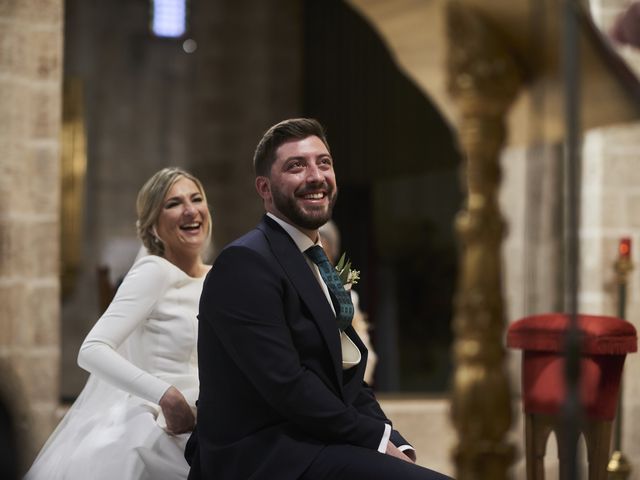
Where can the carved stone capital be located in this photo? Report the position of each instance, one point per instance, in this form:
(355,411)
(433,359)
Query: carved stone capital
(483,74)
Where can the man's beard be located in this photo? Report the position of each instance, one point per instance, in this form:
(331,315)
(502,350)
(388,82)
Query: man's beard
(308,220)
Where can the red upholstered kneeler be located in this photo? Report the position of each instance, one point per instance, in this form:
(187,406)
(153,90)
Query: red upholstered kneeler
(605,343)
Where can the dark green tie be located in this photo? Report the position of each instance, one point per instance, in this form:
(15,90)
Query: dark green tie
(341,298)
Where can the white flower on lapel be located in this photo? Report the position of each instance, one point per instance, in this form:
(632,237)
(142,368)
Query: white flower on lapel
(348,276)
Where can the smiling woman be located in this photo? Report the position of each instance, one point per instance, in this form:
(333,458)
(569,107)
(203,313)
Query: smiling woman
(183,224)
(132,418)
(173,218)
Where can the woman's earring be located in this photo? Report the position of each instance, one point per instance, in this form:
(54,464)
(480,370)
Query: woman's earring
(156,238)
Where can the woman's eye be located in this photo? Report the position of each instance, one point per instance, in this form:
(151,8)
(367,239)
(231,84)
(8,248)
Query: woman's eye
(170,205)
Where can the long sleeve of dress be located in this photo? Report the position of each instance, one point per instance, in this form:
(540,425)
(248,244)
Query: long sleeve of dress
(135,299)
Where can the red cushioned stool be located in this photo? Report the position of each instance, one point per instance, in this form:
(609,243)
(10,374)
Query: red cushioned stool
(605,343)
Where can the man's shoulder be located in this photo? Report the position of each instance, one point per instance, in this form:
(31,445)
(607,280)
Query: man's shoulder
(267,240)
(261,236)
(254,239)
(251,243)
(250,239)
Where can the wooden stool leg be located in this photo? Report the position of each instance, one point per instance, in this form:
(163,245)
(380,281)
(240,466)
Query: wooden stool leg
(565,445)
(536,431)
(598,440)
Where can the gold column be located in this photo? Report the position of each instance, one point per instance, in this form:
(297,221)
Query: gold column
(483,80)
(73,166)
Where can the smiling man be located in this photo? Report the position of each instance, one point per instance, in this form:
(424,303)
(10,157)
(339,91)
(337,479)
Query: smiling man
(281,367)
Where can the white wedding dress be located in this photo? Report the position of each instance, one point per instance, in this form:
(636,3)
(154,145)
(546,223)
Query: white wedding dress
(144,343)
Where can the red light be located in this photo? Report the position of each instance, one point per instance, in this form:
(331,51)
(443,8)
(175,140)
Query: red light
(624,247)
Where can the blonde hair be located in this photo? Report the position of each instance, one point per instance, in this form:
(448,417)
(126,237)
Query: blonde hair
(150,202)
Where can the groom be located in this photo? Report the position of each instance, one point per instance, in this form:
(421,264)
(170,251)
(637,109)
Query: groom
(281,390)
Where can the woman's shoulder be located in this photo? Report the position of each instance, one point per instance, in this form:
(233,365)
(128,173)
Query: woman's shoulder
(153,263)
(153,271)
(156,265)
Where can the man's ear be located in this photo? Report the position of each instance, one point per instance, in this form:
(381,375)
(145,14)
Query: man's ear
(263,187)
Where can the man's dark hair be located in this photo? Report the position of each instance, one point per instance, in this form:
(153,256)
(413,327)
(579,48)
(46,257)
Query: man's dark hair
(285,131)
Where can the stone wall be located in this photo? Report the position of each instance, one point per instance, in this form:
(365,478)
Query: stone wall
(531,202)
(30,118)
(248,77)
(149,104)
(610,211)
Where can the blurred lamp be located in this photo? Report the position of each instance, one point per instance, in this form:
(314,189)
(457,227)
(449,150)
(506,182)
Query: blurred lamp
(169,18)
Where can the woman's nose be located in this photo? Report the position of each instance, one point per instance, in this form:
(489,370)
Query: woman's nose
(189,209)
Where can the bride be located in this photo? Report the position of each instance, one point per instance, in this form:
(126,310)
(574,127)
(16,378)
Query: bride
(132,419)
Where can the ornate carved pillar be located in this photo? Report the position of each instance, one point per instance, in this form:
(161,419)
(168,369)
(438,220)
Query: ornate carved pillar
(484,79)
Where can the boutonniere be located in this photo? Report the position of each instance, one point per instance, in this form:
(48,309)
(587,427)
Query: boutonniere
(348,276)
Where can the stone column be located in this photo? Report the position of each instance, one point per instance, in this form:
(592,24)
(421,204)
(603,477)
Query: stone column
(30,117)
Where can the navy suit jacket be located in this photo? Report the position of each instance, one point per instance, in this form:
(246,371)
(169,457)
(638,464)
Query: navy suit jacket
(272,389)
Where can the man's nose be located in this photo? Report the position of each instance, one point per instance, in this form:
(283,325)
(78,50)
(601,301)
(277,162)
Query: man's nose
(314,174)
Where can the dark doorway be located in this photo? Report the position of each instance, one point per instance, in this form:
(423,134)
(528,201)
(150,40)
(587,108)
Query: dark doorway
(396,165)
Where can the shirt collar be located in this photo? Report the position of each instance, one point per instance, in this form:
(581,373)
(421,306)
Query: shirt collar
(301,240)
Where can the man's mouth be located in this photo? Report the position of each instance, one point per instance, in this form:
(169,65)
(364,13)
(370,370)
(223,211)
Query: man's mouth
(314,196)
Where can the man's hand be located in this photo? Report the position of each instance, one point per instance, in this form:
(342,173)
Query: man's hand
(394,452)
(177,412)
(411,453)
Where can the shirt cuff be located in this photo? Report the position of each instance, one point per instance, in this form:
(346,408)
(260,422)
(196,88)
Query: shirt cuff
(382,448)
(402,448)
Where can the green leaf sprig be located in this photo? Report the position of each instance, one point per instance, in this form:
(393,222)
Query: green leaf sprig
(348,276)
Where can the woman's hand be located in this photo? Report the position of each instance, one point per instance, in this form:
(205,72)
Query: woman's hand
(177,412)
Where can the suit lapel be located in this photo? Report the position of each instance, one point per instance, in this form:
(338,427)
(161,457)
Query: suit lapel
(298,271)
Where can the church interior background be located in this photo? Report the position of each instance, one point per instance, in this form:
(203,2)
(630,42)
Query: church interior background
(92,103)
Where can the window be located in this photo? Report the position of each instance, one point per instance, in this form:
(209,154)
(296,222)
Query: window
(169,18)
